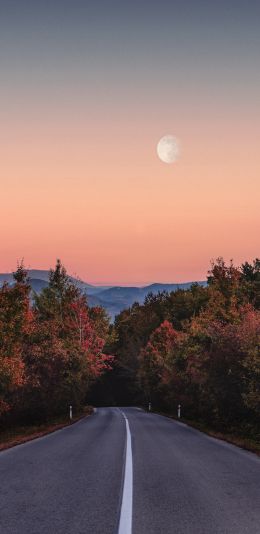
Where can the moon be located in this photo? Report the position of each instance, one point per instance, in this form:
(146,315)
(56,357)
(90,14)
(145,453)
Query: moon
(168,149)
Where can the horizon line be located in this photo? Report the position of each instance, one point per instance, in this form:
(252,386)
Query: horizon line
(111,284)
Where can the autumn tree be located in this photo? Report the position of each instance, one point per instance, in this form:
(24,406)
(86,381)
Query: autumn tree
(50,351)
(15,326)
(251,279)
(249,337)
(65,352)
(155,361)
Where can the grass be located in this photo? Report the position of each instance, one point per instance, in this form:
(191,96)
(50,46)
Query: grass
(21,434)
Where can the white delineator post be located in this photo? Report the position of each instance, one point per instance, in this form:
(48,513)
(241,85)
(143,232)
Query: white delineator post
(149,406)
(179,411)
(70,412)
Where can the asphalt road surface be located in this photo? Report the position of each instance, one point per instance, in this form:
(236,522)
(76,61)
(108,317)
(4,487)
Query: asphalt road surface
(124,470)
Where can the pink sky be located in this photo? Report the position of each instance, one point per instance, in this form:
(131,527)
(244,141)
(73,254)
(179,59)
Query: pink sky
(84,103)
(97,196)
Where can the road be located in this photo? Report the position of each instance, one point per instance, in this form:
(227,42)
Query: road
(176,480)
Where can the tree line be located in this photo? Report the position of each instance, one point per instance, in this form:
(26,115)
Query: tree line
(51,348)
(198,347)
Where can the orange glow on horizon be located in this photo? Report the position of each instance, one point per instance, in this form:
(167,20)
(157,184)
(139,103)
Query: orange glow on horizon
(98,197)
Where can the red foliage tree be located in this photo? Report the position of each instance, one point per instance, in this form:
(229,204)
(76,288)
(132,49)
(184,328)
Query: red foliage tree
(15,325)
(155,359)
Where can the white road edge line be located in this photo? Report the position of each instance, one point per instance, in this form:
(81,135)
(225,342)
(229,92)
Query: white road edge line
(125,522)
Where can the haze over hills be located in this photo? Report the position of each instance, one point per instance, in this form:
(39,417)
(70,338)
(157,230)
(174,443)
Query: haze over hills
(113,298)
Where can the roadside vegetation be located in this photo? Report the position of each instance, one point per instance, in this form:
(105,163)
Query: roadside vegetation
(16,435)
(51,350)
(199,348)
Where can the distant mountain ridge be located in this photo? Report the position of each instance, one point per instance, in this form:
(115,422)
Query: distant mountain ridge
(113,298)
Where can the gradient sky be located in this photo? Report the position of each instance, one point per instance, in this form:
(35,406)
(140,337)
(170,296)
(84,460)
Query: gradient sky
(87,88)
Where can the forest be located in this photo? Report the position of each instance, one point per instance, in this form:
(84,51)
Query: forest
(51,348)
(199,348)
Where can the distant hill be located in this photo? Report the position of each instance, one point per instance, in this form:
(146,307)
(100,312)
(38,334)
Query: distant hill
(43,275)
(113,299)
